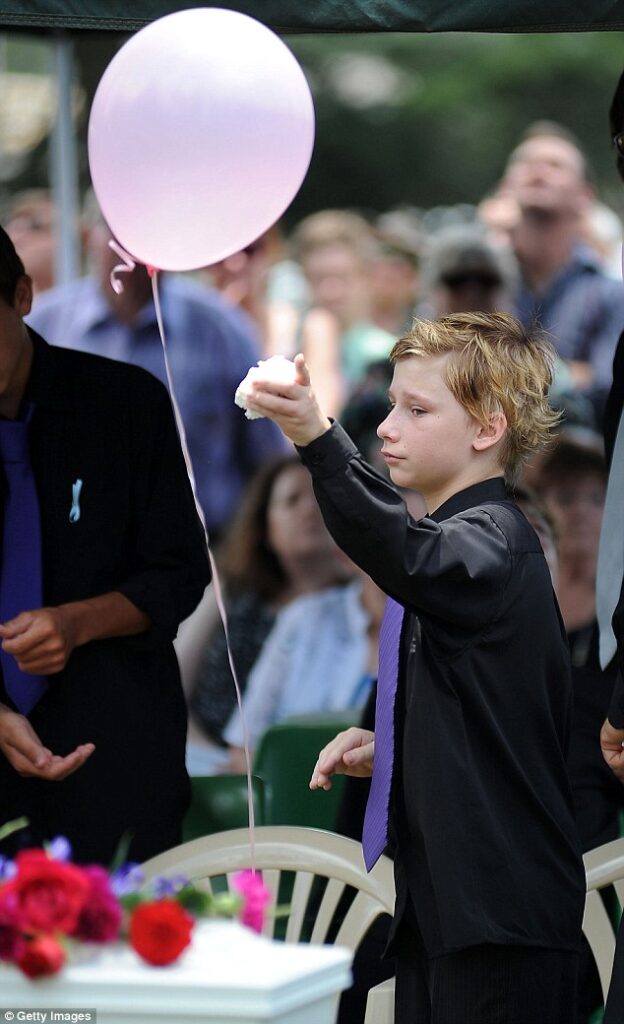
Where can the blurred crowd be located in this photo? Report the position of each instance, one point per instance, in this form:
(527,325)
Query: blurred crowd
(341,288)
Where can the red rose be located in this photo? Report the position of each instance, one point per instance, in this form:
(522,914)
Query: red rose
(159,931)
(11,938)
(100,918)
(50,893)
(42,955)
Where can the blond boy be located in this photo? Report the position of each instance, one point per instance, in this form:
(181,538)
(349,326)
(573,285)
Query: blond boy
(490,885)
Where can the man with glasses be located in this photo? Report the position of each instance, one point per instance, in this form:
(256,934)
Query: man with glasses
(564,287)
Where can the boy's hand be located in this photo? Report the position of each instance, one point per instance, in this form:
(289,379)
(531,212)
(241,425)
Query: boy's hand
(611,741)
(349,753)
(292,406)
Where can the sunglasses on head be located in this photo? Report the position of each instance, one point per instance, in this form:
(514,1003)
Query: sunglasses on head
(474,277)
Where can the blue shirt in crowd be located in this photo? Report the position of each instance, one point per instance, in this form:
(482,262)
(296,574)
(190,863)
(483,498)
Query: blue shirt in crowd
(210,348)
(582,309)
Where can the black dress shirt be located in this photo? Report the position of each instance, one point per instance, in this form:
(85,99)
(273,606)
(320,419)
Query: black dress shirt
(486,846)
(111,426)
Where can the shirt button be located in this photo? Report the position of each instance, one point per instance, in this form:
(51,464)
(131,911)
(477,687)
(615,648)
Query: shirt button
(316,460)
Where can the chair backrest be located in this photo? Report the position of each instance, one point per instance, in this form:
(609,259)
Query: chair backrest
(220,802)
(604,867)
(321,870)
(284,759)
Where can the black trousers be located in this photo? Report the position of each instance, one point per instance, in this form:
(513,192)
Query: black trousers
(487,985)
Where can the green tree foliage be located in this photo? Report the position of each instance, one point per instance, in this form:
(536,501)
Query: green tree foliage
(430,119)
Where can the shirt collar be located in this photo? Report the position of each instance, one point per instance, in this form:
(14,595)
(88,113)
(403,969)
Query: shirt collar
(494,489)
(585,257)
(97,311)
(582,260)
(47,387)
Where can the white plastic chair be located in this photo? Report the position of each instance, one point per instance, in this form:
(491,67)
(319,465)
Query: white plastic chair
(603,866)
(308,854)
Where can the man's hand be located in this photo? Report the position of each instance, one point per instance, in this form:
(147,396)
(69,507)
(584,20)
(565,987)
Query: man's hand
(349,753)
(292,406)
(26,753)
(611,741)
(41,640)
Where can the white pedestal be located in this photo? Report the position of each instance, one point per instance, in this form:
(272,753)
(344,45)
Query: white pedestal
(228,975)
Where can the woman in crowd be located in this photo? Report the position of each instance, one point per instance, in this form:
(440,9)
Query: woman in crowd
(321,655)
(277,551)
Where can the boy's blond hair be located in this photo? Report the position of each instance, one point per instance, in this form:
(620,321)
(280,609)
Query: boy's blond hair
(495,366)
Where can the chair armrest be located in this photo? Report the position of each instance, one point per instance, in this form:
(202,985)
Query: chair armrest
(380,1003)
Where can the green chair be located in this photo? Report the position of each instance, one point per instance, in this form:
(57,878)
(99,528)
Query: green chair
(219,803)
(284,760)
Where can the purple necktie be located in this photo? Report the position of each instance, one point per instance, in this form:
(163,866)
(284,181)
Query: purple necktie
(20,578)
(375,831)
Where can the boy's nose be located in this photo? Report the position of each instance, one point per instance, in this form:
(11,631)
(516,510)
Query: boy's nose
(385,428)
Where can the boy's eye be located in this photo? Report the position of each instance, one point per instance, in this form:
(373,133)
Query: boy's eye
(417,411)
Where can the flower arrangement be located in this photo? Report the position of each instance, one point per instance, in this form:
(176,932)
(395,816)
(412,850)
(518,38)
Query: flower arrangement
(48,905)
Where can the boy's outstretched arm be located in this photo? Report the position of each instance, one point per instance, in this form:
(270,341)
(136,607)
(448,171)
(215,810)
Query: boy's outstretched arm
(349,753)
(292,406)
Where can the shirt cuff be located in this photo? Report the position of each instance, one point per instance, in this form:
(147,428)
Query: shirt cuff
(616,709)
(329,453)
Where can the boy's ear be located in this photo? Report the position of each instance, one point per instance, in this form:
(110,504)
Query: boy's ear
(489,435)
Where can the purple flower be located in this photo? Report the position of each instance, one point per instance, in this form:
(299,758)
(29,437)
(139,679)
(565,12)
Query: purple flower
(59,848)
(8,869)
(163,888)
(126,879)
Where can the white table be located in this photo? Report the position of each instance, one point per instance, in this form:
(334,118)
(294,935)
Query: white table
(228,975)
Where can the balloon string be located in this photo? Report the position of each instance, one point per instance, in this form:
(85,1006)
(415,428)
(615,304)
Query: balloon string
(126,266)
(215,575)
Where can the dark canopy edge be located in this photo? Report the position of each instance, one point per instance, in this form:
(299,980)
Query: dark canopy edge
(302,25)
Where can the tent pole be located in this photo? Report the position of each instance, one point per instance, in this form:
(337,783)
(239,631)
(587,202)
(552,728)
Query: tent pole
(64,165)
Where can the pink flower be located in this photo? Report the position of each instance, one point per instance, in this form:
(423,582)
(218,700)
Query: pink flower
(100,918)
(255,898)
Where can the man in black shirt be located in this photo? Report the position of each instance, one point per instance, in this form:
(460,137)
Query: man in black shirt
(122,562)
(490,881)
(612,732)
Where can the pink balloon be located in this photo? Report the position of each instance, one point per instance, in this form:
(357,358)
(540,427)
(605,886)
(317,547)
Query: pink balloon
(200,135)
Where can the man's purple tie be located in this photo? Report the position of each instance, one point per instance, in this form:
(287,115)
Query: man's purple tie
(20,576)
(375,831)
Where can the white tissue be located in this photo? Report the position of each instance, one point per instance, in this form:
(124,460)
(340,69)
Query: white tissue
(275,370)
